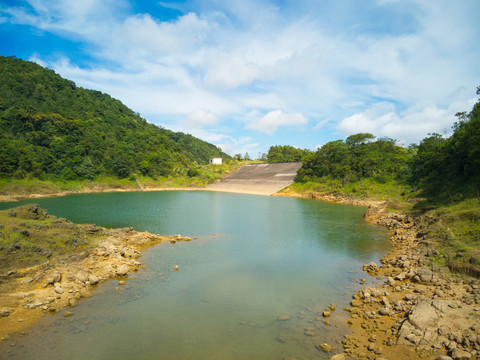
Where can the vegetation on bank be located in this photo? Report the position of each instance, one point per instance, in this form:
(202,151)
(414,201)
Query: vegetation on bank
(202,176)
(29,236)
(437,180)
(51,129)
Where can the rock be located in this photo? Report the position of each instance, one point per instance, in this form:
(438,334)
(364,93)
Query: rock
(67,313)
(71,302)
(425,275)
(93,279)
(122,282)
(339,357)
(283,317)
(326,314)
(371,347)
(82,277)
(332,307)
(58,289)
(175,268)
(390,281)
(325,347)
(376,211)
(356,303)
(384,311)
(309,332)
(4,312)
(123,270)
(423,315)
(49,300)
(402,276)
(458,354)
(27,280)
(443,357)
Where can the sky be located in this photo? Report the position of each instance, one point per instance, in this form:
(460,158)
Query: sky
(246,75)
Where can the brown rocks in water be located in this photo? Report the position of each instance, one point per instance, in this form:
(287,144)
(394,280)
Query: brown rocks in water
(326,314)
(123,270)
(310,332)
(67,313)
(325,347)
(122,282)
(175,268)
(283,317)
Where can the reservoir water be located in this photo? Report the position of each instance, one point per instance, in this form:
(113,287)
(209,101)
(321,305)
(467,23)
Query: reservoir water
(256,258)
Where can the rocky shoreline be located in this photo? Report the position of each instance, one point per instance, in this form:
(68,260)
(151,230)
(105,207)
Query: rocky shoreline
(416,310)
(419,311)
(59,283)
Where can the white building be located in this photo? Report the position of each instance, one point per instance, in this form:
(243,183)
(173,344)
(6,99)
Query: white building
(216,161)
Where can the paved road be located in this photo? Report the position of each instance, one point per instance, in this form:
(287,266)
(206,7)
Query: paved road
(261,179)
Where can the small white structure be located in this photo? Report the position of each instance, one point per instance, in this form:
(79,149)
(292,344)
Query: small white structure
(216,161)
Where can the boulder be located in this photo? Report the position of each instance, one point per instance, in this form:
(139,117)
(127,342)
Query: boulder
(325,347)
(423,315)
(4,312)
(457,354)
(123,270)
(93,279)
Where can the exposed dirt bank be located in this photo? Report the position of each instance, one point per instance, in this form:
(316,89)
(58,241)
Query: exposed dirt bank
(89,190)
(91,255)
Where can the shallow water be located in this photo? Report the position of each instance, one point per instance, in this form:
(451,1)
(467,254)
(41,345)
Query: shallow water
(256,258)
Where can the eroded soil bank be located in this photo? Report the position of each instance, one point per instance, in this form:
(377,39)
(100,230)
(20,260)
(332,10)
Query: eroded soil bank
(75,259)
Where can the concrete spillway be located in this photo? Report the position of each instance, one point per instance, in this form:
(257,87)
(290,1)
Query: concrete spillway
(261,179)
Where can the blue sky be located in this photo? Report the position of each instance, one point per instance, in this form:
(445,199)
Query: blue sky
(245,75)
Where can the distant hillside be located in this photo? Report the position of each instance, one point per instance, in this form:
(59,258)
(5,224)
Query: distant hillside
(51,127)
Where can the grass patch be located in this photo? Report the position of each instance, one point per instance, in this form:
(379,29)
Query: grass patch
(365,189)
(455,228)
(29,237)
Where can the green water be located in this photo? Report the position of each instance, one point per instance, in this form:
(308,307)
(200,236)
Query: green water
(270,256)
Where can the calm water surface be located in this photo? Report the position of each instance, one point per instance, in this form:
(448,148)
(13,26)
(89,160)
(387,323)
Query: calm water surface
(256,258)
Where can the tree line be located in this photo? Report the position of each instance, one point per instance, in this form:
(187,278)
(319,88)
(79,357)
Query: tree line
(441,167)
(52,128)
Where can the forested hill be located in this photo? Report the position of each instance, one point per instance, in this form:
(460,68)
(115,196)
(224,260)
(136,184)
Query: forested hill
(51,127)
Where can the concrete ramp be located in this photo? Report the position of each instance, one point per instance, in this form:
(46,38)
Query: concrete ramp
(259,179)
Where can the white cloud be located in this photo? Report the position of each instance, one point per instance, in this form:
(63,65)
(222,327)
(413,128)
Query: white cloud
(200,119)
(242,60)
(269,123)
(410,126)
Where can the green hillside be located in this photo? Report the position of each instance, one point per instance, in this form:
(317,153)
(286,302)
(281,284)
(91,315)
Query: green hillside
(50,128)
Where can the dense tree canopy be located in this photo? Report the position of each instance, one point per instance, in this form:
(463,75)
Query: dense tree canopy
(357,157)
(49,126)
(446,165)
(285,153)
(440,167)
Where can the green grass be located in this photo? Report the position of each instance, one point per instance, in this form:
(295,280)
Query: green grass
(455,229)
(28,238)
(365,189)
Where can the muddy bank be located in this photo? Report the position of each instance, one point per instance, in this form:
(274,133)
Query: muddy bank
(417,310)
(66,276)
(89,190)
